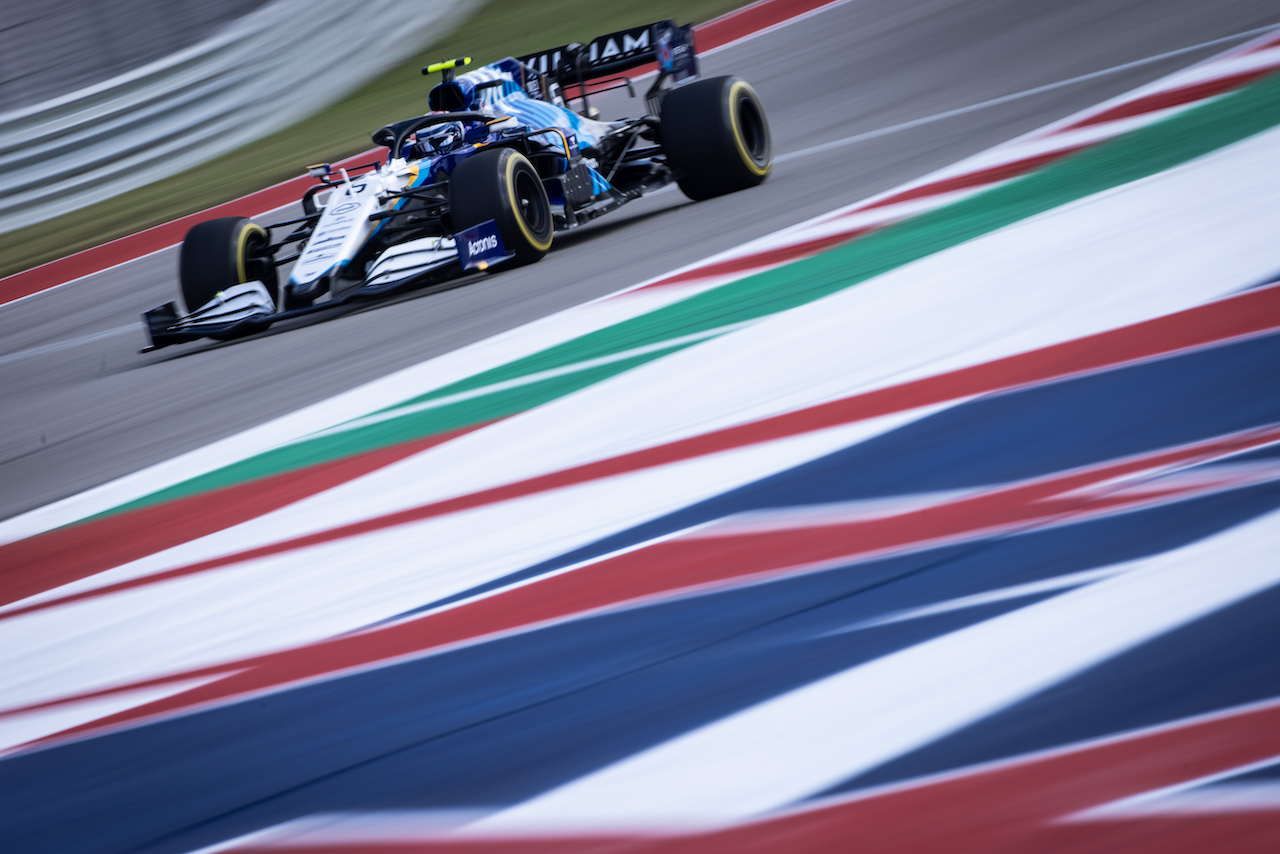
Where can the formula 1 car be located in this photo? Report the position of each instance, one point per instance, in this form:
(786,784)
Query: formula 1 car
(482,182)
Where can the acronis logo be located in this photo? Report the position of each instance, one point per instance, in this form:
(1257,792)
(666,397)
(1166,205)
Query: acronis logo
(484,244)
(480,246)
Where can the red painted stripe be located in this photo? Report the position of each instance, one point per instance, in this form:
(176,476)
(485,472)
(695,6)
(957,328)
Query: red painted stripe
(1171,98)
(67,554)
(1248,313)
(720,31)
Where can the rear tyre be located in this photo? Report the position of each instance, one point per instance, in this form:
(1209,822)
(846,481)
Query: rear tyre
(219,253)
(502,185)
(716,137)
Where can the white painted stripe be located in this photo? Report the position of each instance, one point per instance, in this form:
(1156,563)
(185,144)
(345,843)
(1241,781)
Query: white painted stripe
(822,515)
(1223,799)
(527,379)
(1002,594)
(901,210)
(380,827)
(368,829)
(804,741)
(20,728)
(1203,795)
(1200,478)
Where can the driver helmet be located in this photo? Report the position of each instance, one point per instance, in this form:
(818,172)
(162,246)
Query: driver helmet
(440,138)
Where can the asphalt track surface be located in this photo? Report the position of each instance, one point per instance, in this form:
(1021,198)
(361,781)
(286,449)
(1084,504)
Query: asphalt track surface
(79,405)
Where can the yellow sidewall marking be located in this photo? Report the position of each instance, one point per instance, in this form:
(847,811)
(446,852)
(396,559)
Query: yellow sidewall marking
(747,160)
(540,245)
(241,243)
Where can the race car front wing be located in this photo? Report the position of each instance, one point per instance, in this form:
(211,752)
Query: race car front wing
(246,308)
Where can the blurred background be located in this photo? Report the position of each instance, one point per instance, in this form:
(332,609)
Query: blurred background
(53,48)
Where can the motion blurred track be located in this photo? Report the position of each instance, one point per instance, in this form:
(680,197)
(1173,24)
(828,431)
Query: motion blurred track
(81,406)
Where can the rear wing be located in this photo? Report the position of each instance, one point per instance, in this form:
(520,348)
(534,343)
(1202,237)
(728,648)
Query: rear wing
(664,43)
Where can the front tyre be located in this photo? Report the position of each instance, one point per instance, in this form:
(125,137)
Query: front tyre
(219,253)
(501,185)
(716,136)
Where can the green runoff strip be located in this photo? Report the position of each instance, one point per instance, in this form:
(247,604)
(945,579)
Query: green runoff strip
(1138,154)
